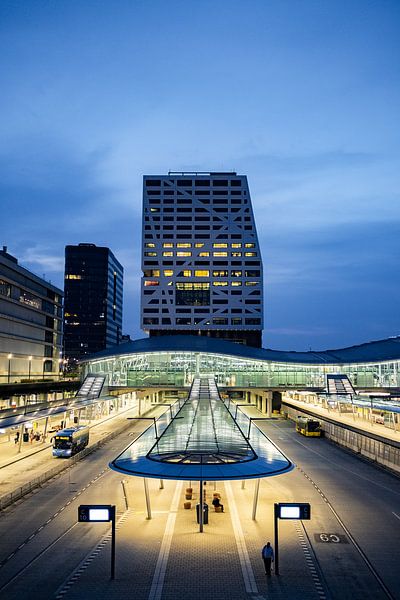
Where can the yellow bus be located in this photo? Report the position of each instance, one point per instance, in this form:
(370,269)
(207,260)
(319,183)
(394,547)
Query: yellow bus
(308,427)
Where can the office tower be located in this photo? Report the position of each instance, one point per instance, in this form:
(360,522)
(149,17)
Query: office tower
(201,261)
(93,300)
(30,324)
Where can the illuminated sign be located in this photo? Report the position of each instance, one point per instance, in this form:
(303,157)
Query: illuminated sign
(292,510)
(97,513)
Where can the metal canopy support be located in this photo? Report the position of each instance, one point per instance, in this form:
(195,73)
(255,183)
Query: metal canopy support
(45,430)
(21,433)
(201,508)
(146,491)
(255,499)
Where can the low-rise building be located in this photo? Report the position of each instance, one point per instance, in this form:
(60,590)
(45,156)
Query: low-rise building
(30,324)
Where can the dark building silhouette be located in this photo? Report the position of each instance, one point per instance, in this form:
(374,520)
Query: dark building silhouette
(93,300)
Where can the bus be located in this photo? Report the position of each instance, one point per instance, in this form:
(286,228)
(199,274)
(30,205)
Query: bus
(70,441)
(308,427)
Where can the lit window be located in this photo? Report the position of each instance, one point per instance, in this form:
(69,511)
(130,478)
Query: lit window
(150,253)
(252,282)
(205,254)
(185,273)
(220,245)
(236,245)
(202,273)
(220,273)
(192,286)
(167,245)
(236,273)
(167,253)
(168,272)
(236,283)
(151,273)
(73,277)
(150,245)
(250,253)
(184,245)
(154,210)
(149,282)
(249,245)
(184,253)
(236,254)
(220,254)
(199,245)
(220,283)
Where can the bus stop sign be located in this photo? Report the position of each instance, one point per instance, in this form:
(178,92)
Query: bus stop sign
(96,513)
(293,510)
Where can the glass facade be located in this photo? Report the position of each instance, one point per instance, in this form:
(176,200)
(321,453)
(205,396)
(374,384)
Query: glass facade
(180,368)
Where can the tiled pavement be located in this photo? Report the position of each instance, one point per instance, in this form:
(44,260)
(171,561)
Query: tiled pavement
(218,563)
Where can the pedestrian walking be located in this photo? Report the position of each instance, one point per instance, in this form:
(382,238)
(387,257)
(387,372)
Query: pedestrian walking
(267,554)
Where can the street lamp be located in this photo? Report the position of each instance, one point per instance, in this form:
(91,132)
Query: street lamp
(9,367)
(44,362)
(30,366)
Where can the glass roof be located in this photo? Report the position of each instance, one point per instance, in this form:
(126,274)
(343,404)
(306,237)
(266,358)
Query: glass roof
(203,440)
(203,431)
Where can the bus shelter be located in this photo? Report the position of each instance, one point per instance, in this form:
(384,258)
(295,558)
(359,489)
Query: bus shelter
(203,439)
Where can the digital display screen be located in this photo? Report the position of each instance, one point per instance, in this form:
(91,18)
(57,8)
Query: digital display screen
(290,512)
(99,514)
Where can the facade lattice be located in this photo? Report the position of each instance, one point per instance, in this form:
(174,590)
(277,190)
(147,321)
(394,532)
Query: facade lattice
(201,261)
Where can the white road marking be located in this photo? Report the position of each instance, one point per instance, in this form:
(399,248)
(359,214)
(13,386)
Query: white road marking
(161,566)
(247,569)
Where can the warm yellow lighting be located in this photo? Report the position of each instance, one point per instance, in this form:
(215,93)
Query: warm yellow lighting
(249,245)
(184,245)
(236,254)
(148,283)
(220,273)
(73,277)
(10,356)
(168,272)
(236,283)
(184,254)
(30,357)
(168,245)
(168,253)
(220,283)
(202,273)
(204,254)
(220,254)
(236,245)
(150,245)
(250,253)
(220,245)
(199,244)
(251,282)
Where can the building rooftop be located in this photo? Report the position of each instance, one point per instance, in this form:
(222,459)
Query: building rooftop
(375,351)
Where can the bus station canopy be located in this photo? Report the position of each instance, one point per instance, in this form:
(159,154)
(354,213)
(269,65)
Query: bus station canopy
(202,441)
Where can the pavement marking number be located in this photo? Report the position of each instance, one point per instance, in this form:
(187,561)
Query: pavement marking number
(331,538)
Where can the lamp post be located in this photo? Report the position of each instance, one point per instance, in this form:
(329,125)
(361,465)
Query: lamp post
(60,363)
(9,367)
(30,367)
(44,362)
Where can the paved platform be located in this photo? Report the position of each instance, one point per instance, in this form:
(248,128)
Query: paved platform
(167,558)
(349,419)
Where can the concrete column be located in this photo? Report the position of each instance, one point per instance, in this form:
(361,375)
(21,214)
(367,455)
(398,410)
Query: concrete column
(268,399)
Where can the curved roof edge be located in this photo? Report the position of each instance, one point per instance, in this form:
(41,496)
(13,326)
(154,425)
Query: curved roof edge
(376,351)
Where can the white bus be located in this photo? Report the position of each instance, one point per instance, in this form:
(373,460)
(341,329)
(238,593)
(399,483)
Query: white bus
(70,441)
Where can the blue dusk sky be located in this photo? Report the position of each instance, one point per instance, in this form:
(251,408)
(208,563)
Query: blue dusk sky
(301,96)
